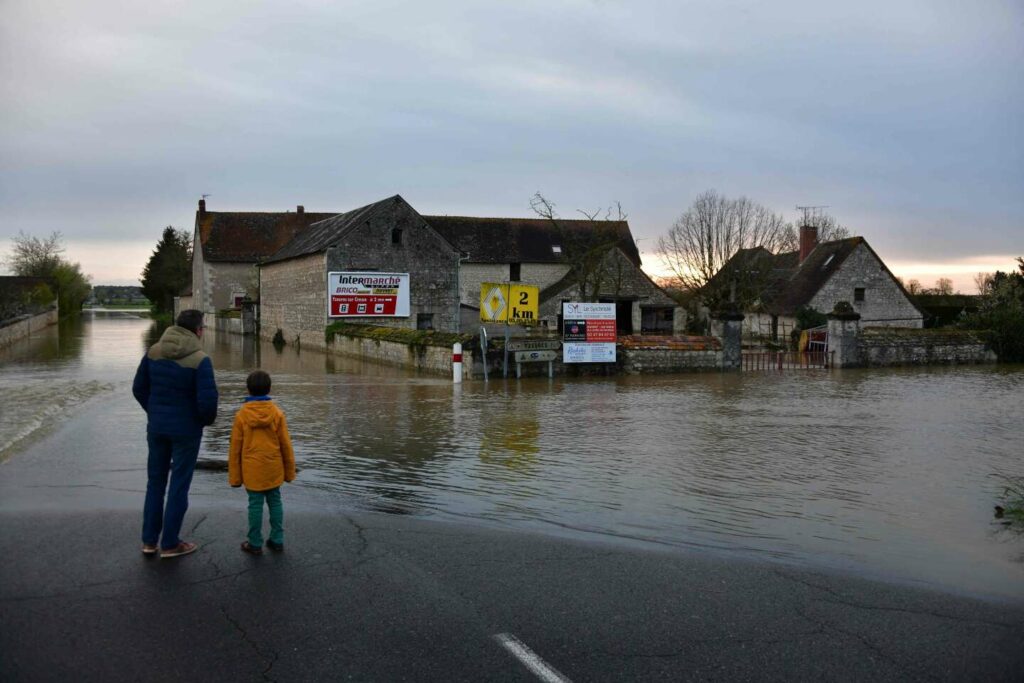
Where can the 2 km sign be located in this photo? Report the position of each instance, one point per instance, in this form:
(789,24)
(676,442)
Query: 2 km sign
(508,303)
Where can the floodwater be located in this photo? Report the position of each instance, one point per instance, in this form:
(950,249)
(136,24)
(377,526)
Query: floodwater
(889,473)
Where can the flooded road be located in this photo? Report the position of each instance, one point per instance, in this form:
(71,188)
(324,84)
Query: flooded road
(887,473)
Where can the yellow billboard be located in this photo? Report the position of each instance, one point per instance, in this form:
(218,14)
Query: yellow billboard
(509,303)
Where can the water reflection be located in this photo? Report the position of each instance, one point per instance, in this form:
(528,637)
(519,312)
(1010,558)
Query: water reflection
(885,472)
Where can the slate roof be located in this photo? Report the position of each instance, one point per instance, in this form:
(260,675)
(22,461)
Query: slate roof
(248,237)
(792,284)
(524,240)
(811,275)
(321,235)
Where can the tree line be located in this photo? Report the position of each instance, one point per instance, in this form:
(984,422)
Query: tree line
(44,258)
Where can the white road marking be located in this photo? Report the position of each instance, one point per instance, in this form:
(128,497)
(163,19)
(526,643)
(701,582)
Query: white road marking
(529,658)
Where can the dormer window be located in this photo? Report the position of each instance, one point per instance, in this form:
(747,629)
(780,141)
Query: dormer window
(556,248)
(396,236)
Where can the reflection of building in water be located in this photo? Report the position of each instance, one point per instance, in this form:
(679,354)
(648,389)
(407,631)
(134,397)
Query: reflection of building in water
(513,440)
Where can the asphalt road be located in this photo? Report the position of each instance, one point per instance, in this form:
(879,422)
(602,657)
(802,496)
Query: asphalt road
(381,597)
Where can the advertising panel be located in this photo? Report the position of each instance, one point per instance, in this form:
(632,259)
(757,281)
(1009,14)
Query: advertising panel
(367,294)
(588,333)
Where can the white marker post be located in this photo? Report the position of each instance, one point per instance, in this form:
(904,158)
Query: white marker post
(456,362)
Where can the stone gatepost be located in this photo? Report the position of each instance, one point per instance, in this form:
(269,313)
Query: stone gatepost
(732,327)
(844,336)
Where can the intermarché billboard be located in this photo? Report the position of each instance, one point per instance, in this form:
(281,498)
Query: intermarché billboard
(367,294)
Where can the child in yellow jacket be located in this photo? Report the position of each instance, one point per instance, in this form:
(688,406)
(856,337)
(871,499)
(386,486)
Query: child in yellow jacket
(261,458)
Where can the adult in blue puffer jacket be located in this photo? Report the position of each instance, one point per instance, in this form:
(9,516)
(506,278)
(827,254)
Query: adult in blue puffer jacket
(174,385)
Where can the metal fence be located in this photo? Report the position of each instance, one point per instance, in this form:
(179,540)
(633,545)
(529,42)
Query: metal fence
(786,360)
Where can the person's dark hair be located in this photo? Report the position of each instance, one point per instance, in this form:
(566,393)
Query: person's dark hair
(190,319)
(258,383)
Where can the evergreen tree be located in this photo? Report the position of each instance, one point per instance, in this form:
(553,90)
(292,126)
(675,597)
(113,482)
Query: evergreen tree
(168,271)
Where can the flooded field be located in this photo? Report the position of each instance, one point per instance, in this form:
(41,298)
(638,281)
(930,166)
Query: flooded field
(887,473)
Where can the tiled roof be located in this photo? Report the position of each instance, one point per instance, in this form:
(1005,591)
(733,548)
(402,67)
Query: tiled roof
(248,237)
(525,240)
(327,231)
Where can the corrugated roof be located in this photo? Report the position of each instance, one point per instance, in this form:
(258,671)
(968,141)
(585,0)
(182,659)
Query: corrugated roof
(527,240)
(318,236)
(248,237)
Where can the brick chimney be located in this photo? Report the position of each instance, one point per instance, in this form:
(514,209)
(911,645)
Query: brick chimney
(300,209)
(808,240)
(202,207)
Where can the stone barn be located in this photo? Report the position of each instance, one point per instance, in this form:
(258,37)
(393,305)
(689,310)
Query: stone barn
(388,236)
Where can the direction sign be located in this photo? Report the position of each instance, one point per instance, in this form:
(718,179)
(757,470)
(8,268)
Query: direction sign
(535,356)
(523,302)
(533,345)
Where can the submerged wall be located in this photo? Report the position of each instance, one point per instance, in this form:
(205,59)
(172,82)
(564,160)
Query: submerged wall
(874,347)
(425,357)
(24,326)
(882,346)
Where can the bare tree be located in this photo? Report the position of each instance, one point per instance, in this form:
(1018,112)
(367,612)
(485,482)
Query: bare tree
(944,286)
(35,256)
(588,246)
(712,231)
(914,287)
(983,282)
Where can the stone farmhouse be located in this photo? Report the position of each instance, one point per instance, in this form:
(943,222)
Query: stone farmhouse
(226,247)
(818,276)
(283,261)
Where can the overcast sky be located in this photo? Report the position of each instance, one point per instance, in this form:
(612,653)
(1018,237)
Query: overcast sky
(905,118)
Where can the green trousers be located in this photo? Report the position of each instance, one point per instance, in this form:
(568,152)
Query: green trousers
(273,498)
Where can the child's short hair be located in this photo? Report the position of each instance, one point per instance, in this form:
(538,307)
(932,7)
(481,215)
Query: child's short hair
(258,383)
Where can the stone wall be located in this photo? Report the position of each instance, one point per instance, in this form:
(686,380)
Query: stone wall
(224,279)
(293,298)
(884,302)
(24,326)
(658,361)
(882,346)
(435,359)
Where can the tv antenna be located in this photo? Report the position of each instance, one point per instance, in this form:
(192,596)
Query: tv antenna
(208,195)
(811,214)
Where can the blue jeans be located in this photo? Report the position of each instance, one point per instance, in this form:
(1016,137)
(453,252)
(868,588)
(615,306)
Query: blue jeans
(273,500)
(174,456)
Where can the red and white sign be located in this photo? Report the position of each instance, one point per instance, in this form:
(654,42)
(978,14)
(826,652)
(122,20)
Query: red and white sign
(588,333)
(367,294)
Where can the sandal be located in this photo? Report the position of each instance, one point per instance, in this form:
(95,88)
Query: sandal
(148,549)
(251,549)
(183,548)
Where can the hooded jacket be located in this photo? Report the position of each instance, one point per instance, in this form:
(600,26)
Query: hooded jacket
(174,384)
(261,455)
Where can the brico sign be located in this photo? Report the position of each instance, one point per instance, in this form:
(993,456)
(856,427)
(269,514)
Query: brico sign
(508,303)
